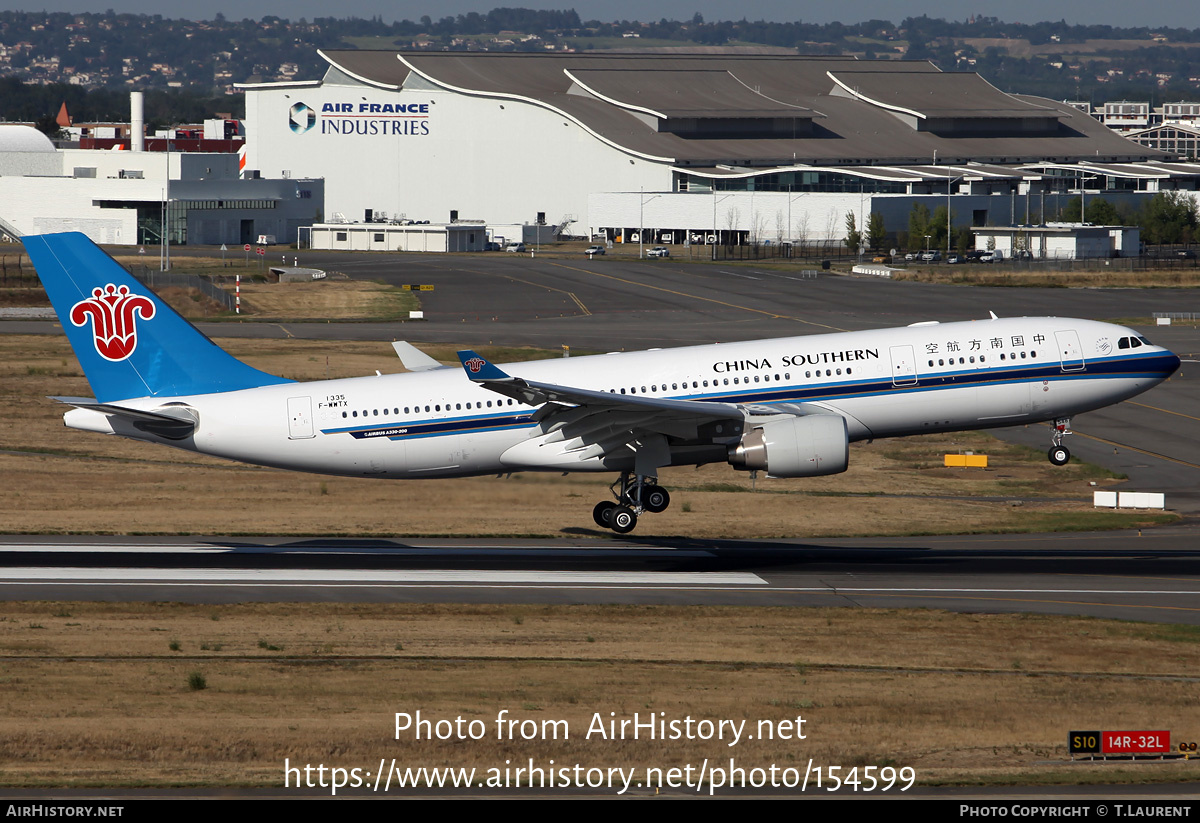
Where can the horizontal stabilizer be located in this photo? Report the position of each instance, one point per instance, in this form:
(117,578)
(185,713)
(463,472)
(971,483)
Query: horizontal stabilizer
(173,422)
(413,358)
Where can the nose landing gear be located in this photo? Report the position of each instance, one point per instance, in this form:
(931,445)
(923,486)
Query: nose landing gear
(1059,454)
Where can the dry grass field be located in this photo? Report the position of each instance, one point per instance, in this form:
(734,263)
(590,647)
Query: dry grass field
(326,300)
(180,695)
(986,275)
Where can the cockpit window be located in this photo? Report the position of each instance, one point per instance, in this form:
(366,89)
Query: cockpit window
(1133,342)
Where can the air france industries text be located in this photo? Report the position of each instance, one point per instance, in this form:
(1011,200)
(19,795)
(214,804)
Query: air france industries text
(374,126)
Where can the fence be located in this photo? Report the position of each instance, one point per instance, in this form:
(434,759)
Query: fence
(165,279)
(817,250)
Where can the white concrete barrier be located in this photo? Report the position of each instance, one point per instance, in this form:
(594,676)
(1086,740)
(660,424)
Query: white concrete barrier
(877,270)
(1141,500)
(1104,500)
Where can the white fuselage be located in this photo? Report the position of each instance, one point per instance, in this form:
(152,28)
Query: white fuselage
(885,383)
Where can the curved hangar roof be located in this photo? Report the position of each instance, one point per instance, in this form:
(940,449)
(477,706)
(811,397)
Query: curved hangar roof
(756,111)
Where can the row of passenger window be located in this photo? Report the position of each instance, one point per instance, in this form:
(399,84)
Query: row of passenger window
(726,381)
(436,407)
(696,384)
(982,359)
(653,388)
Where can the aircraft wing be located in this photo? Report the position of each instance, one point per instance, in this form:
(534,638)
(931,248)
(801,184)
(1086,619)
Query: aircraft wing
(534,393)
(584,425)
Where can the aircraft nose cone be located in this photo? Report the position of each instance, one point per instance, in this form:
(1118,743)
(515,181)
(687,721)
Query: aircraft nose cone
(1172,364)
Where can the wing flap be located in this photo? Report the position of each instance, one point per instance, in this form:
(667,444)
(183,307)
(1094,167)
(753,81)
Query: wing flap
(584,426)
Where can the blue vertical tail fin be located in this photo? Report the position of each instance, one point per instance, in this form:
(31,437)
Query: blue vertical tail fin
(128,341)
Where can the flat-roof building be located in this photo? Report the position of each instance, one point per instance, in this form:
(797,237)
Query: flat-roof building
(126,197)
(679,148)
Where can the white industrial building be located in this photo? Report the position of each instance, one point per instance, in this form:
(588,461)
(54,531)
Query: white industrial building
(122,197)
(698,149)
(1060,241)
(423,237)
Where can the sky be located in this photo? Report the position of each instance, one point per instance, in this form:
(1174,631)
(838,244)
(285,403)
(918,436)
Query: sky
(1178,13)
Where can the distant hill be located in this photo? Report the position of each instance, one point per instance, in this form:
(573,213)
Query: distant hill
(198,62)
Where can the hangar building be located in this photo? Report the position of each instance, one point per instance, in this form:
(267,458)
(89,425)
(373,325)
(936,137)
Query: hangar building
(696,149)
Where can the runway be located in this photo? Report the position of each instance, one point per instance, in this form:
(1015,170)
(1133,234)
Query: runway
(629,304)
(1154,576)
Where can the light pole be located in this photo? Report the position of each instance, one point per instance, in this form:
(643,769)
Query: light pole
(948,230)
(165,238)
(716,234)
(642,201)
(790,229)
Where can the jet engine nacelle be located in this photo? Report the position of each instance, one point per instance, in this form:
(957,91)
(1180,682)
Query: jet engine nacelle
(808,446)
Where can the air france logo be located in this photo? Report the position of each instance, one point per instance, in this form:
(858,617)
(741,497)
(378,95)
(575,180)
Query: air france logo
(475,364)
(301,118)
(112,310)
(378,119)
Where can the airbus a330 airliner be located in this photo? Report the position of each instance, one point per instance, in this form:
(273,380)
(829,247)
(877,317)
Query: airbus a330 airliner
(789,406)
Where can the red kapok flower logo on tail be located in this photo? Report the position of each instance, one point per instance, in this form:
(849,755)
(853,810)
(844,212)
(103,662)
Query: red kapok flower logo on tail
(475,364)
(112,310)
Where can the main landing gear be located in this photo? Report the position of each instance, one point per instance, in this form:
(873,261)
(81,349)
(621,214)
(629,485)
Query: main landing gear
(639,494)
(1059,454)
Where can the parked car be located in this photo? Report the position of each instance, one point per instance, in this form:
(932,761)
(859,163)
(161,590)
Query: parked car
(590,250)
(954,258)
(515,247)
(931,256)
(491,247)
(881,258)
(659,251)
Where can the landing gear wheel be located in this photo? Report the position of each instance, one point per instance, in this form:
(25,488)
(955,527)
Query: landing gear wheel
(602,514)
(622,519)
(655,499)
(1059,455)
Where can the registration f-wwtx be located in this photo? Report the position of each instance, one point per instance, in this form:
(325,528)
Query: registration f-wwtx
(788,406)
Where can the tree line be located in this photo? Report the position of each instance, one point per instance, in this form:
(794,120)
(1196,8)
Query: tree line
(1167,218)
(28,102)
